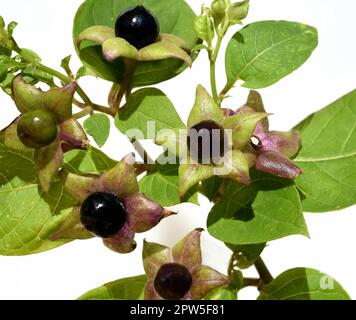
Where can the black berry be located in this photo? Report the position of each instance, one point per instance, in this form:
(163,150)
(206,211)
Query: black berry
(138,26)
(37,129)
(103,214)
(206,141)
(173,281)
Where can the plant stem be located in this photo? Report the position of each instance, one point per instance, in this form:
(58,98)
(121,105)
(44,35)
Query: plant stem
(80,91)
(263,271)
(85,112)
(251,282)
(141,151)
(213,55)
(130,66)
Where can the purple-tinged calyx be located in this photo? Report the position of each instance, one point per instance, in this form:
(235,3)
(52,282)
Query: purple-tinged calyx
(177,273)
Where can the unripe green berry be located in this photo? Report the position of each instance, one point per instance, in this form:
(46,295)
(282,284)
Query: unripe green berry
(37,129)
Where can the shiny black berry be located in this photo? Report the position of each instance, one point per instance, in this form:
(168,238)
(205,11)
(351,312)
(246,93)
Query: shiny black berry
(138,26)
(173,281)
(206,142)
(37,129)
(103,214)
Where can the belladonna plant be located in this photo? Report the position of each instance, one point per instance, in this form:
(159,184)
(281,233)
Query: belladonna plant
(56,186)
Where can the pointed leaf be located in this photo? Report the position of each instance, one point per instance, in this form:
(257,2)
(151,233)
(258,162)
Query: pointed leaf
(249,214)
(205,108)
(98,126)
(246,255)
(91,161)
(161,185)
(123,289)
(328,157)
(303,284)
(268,51)
(146,105)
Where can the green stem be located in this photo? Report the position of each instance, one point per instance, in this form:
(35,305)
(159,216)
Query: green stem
(251,282)
(65,79)
(141,151)
(85,112)
(130,66)
(227,88)
(263,271)
(213,58)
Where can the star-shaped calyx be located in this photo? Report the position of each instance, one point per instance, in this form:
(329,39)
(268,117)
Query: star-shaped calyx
(178,273)
(136,37)
(45,125)
(111,207)
(212,144)
(271,151)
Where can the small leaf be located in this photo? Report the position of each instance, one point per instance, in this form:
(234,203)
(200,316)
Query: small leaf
(98,126)
(328,157)
(266,51)
(267,209)
(303,284)
(123,289)
(91,161)
(30,56)
(147,105)
(85,71)
(246,255)
(204,27)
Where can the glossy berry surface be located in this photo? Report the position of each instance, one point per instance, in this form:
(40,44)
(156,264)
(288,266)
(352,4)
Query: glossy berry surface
(103,214)
(138,26)
(206,142)
(37,129)
(173,281)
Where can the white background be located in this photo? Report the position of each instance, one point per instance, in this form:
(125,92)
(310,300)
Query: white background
(67,272)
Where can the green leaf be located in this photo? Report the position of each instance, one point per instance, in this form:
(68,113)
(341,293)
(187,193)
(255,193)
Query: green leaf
(30,56)
(328,157)
(91,161)
(264,52)
(145,105)
(161,186)
(210,188)
(222,293)
(246,255)
(28,216)
(267,209)
(303,284)
(98,126)
(123,289)
(174,16)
